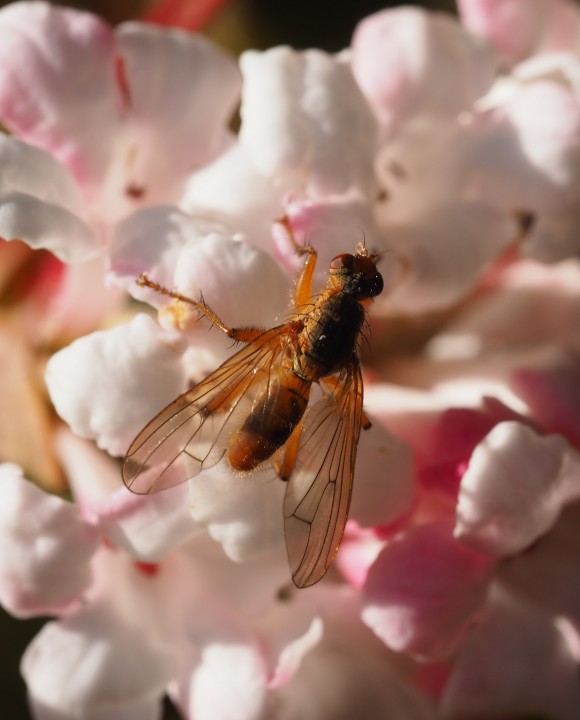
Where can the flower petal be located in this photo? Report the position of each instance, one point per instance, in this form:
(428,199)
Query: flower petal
(424,590)
(40,204)
(229,682)
(109,384)
(384,478)
(512,491)
(516,662)
(519,28)
(331,226)
(46,548)
(53,60)
(147,527)
(447,249)
(182,91)
(119,670)
(290,631)
(231,191)
(244,515)
(304,121)
(410,62)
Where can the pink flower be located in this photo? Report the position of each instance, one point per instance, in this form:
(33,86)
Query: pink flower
(519,28)
(461,544)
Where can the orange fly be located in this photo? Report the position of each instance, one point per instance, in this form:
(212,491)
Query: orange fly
(254,409)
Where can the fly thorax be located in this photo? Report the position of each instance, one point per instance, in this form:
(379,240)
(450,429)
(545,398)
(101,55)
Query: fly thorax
(329,336)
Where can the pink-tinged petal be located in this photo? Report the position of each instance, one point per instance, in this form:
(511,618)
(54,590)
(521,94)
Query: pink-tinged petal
(358,551)
(409,62)
(234,193)
(113,648)
(58,88)
(229,682)
(147,527)
(242,590)
(517,662)
(82,301)
(528,160)
(244,515)
(330,226)
(424,591)
(305,122)
(182,91)
(109,384)
(384,479)
(550,387)
(91,474)
(290,632)
(512,491)
(150,241)
(346,676)
(545,575)
(234,278)
(447,250)
(39,204)
(533,304)
(46,548)
(519,28)
(191,255)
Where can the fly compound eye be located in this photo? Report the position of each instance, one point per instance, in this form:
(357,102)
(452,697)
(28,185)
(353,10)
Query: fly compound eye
(369,279)
(344,261)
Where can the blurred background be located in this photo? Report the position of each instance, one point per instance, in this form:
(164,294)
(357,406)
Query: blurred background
(236,25)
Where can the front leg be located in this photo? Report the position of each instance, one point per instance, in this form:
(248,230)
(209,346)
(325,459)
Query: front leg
(245,335)
(303,287)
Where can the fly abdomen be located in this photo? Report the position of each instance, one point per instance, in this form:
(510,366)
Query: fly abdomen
(274,415)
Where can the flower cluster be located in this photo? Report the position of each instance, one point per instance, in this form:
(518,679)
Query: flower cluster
(453,148)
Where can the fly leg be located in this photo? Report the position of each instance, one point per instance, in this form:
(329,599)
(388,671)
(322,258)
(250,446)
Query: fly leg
(245,335)
(285,463)
(303,287)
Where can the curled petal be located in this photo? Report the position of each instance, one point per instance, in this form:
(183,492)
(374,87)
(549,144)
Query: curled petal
(513,490)
(147,527)
(39,204)
(46,548)
(290,632)
(424,590)
(84,380)
(305,122)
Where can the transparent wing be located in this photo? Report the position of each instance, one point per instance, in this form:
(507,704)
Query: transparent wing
(319,489)
(192,433)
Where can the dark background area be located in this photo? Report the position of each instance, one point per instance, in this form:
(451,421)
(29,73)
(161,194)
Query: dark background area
(239,24)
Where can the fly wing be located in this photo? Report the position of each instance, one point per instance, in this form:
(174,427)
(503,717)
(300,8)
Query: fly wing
(319,489)
(191,434)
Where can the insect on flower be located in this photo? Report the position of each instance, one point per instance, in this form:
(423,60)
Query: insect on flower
(254,410)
